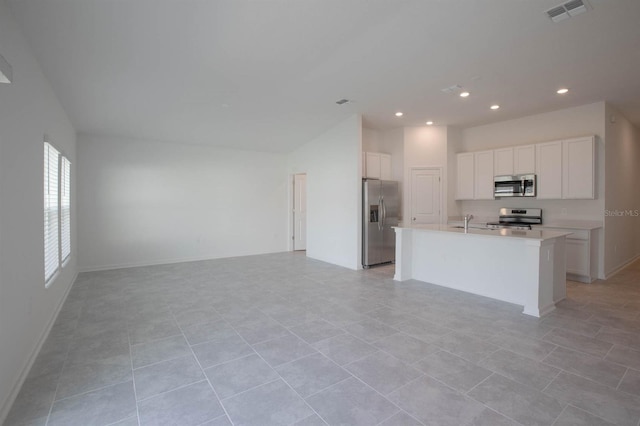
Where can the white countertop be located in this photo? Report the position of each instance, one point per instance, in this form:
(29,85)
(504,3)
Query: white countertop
(572,224)
(563,224)
(534,234)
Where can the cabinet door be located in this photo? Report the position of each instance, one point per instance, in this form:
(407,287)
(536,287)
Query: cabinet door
(385,166)
(503,161)
(464,181)
(578,257)
(549,170)
(373,165)
(578,168)
(524,159)
(483,175)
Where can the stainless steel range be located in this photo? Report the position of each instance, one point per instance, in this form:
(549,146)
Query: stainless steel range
(521,219)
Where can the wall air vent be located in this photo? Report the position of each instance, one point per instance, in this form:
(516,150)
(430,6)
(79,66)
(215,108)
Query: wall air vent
(567,10)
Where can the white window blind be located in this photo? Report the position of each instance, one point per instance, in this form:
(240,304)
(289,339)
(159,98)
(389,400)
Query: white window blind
(51,204)
(65,209)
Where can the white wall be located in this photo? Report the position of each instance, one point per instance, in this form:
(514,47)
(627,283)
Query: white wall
(372,141)
(143,202)
(28,110)
(392,142)
(622,242)
(333,164)
(425,147)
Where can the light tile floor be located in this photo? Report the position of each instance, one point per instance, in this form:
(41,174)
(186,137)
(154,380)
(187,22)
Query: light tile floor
(284,340)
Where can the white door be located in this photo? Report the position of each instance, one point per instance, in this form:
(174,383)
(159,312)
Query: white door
(300,212)
(425,195)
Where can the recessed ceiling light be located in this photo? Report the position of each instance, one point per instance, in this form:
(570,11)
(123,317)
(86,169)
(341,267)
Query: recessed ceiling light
(399,114)
(429,123)
(495,106)
(464,94)
(562,91)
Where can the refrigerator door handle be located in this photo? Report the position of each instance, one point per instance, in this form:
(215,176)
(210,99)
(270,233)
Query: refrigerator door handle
(384,212)
(380,214)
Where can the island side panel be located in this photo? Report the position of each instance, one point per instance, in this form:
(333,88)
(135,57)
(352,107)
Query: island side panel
(560,270)
(404,254)
(506,269)
(542,302)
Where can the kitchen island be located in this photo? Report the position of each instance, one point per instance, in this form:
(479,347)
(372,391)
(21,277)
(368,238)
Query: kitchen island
(521,267)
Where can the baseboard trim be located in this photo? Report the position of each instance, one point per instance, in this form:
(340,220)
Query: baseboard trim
(168,262)
(6,406)
(621,267)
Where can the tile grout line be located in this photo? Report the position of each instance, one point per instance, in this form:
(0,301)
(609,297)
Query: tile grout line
(133,377)
(560,415)
(279,376)
(560,371)
(206,378)
(482,403)
(64,365)
(546,387)
(622,379)
(478,384)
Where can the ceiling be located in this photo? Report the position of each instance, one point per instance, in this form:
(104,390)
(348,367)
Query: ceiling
(265,74)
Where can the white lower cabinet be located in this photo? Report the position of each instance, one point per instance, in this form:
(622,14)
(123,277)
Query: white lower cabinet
(581,255)
(578,257)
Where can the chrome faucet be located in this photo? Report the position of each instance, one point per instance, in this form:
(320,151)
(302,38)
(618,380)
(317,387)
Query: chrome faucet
(467,219)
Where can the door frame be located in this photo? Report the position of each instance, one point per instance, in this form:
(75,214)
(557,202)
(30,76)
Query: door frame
(410,195)
(291,207)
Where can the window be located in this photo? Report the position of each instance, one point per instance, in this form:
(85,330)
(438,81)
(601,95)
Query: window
(57,210)
(65,210)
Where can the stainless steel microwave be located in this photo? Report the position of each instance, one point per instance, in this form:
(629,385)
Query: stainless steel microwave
(514,186)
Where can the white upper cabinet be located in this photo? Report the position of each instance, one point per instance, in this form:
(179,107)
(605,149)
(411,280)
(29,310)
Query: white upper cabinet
(483,175)
(549,170)
(524,159)
(373,165)
(565,169)
(503,161)
(578,167)
(377,165)
(465,176)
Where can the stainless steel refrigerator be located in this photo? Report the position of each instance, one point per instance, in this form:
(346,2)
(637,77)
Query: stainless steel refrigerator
(380,211)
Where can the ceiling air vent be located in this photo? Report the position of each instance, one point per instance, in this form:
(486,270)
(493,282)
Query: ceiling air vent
(557,14)
(343,101)
(452,89)
(566,10)
(575,7)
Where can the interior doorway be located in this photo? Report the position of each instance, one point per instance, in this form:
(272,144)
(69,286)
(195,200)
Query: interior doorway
(426,190)
(300,211)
